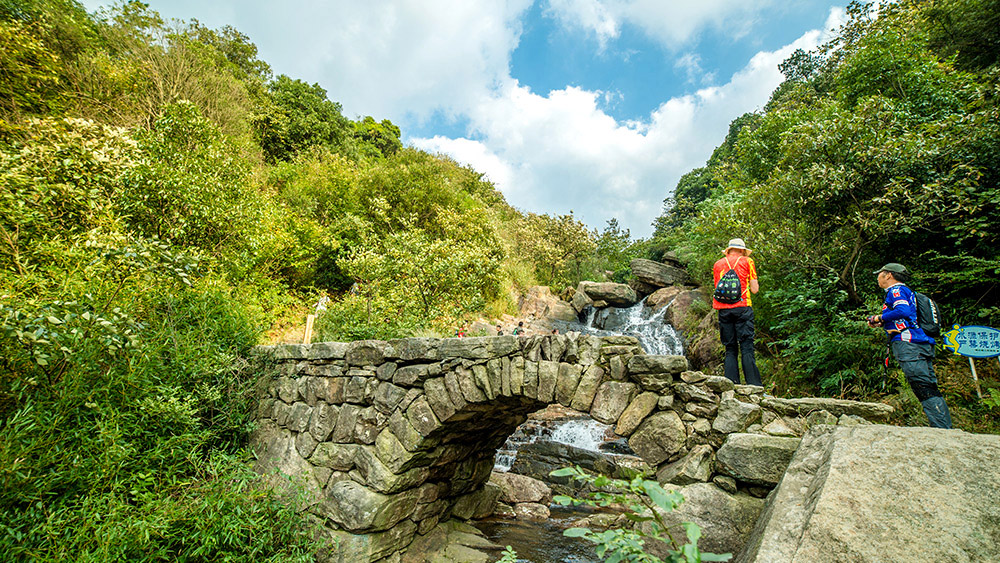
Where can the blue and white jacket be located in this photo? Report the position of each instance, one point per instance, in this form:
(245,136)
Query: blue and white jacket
(899,316)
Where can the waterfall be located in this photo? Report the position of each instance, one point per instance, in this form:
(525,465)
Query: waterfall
(656,336)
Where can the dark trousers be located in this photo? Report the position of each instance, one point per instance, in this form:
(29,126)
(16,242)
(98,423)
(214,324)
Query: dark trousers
(917,361)
(736,333)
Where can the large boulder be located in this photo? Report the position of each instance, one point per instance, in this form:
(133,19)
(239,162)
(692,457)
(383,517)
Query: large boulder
(516,488)
(837,407)
(540,458)
(657,274)
(755,458)
(641,288)
(726,521)
(536,301)
(662,297)
(882,493)
(686,310)
(702,345)
(614,294)
(450,542)
(581,301)
(560,311)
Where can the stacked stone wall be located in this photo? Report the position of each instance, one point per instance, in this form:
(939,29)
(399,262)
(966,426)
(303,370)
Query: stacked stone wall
(389,439)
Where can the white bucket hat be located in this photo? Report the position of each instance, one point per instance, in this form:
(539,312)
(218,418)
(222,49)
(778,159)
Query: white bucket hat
(738,244)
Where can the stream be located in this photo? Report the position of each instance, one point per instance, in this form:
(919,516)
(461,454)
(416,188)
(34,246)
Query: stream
(543,541)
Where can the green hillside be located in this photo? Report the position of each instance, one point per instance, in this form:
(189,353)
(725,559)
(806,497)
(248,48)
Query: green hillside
(167,202)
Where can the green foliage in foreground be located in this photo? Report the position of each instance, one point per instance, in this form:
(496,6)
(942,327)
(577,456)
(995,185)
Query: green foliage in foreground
(645,501)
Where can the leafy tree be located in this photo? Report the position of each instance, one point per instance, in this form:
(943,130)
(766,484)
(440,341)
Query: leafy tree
(301,117)
(30,70)
(378,139)
(967,29)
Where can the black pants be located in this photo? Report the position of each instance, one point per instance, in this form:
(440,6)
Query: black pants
(736,333)
(917,361)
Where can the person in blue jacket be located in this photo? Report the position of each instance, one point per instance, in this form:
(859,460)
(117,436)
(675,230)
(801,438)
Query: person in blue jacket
(913,349)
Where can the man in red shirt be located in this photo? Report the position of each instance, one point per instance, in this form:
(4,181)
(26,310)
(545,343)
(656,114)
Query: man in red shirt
(733,302)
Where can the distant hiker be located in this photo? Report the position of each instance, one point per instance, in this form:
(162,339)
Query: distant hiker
(460,331)
(735,279)
(499,330)
(911,346)
(519,329)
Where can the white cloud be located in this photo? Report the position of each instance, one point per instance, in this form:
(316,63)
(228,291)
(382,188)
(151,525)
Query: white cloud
(690,64)
(673,24)
(560,151)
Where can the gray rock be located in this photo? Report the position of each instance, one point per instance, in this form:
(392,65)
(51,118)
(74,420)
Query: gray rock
(567,382)
(611,400)
(369,547)
(820,417)
(560,311)
(585,392)
(695,467)
(725,483)
(367,352)
(581,301)
(388,397)
(449,542)
(656,373)
(662,298)
(359,509)
(385,371)
(410,349)
(778,427)
(635,413)
(615,294)
(657,274)
(659,437)
(836,407)
(278,460)
(851,420)
(540,458)
(694,377)
(339,457)
(531,511)
(735,416)
(478,504)
(755,458)
(726,521)
(719,384)
(326,350)
(286,351)
(516,488)
(471,348)
(409,376)
(380,478)
(884,493)
(422,417)
(321,424)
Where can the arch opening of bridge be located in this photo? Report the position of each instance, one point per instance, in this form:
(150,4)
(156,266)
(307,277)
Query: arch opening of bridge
(390,438)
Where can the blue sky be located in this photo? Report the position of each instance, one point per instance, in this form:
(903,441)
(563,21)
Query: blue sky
(594,106)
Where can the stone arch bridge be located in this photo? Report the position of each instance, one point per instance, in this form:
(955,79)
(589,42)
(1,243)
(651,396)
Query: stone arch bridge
(391,438)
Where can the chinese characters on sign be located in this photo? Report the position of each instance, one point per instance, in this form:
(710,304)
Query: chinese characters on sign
(973,341)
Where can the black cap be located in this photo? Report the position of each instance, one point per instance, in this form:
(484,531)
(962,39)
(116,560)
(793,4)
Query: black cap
(893,268)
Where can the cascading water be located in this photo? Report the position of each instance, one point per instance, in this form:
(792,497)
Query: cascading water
(654,334)
(543,541)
